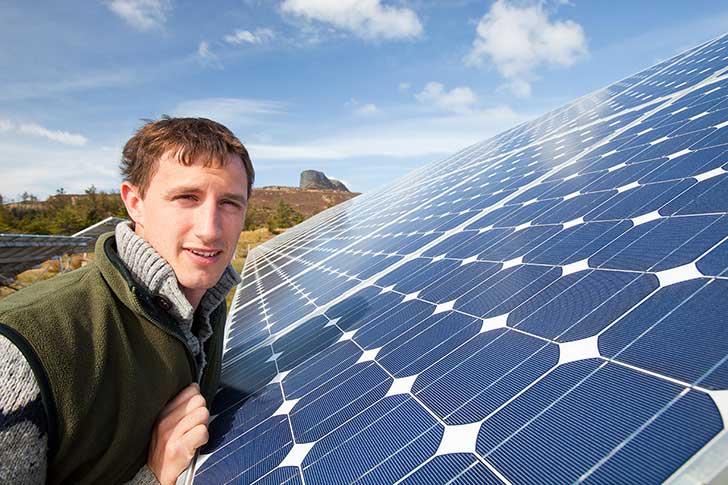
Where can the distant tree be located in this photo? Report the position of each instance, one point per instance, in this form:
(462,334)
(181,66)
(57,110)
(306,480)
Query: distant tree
(284,216)
(37,225)
(60,191)
(67,222)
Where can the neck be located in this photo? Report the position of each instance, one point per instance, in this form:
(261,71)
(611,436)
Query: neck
(193,296)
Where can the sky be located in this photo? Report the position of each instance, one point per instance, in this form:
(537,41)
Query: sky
(364,90)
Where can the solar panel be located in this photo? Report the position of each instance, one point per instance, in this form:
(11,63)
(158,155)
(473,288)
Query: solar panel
(20,252)
(547,306)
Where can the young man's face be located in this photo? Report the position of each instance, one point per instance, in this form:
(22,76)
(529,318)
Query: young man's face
(192,216)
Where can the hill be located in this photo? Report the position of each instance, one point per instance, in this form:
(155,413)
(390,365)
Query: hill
(271,206)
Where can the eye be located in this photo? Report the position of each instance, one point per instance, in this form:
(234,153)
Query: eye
(232,203)
(185,197)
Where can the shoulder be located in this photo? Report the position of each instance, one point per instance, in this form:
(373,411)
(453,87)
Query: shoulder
(68,289)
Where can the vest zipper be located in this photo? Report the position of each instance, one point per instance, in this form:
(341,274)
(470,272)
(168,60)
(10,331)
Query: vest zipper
(168,331)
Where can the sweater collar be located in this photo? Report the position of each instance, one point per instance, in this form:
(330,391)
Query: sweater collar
(155,274)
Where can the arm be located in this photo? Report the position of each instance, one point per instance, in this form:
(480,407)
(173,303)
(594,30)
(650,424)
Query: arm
(23,423)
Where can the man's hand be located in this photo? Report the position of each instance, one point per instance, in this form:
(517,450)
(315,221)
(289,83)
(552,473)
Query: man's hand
(181,428)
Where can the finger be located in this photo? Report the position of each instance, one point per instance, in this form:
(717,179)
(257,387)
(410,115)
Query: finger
(194,438)
(196,417)
(170,422)
(181,398)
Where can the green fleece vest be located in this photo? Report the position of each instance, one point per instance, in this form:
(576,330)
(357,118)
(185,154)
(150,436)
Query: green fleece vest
(107,360)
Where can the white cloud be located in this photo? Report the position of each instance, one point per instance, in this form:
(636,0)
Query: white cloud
(368,19)
(36,130)
(404,87)
(204,52)
(519,39)
(232,111)
(259,36)
(457,100)
(142,14)
(368,109)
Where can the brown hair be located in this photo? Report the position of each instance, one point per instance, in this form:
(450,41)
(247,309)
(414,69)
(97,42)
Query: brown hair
(188,138)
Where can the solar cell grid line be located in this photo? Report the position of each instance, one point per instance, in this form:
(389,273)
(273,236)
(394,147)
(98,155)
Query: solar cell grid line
(591,358)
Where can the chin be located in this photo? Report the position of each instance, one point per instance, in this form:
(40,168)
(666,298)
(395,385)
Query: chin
(200,282)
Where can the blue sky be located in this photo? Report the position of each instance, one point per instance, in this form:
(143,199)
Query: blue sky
(365,90)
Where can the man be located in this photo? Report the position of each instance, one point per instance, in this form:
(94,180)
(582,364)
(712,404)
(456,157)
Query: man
(105,371)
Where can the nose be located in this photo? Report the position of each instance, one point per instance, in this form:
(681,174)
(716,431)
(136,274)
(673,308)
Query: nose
(208,222)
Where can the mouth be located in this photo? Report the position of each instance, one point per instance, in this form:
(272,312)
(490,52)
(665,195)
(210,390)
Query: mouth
(205,254)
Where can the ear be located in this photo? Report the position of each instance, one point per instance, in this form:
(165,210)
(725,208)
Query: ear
(131,196)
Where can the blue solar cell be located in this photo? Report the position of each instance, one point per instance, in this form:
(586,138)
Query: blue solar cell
(580,305)
(693,417)
(652,246)
(379,332)
(715,137)
(380,264)
(483,374)
(685,343)
(640,200)
(526,213)
(409,268)
(426,343)
(389,456)
(451,243)
(251,372)
(594,417)
(458,281)
(622,176)
(368,311)
(313,373)
(338,400)
(571,209)
(577,243)
(354,302)
(518,243)
(253,454)
(236,412)
(706,197)
(572,185)
(304,341)
(430,273)
(479,243)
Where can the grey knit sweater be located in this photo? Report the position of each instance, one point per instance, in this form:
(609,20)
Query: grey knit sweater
(23,425)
